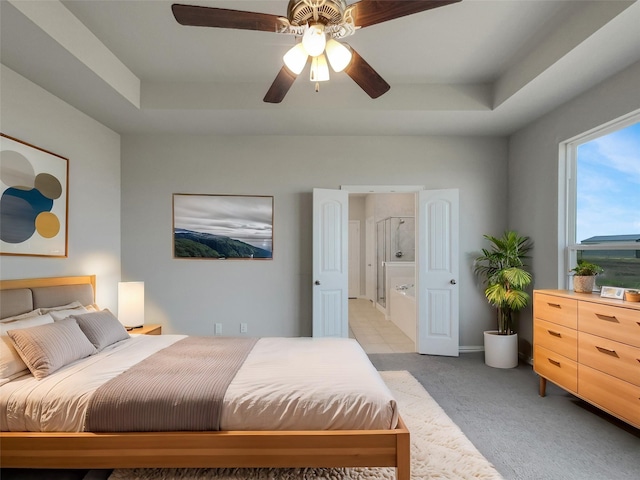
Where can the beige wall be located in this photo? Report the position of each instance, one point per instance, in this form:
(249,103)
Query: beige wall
(39,118)
(533,172)
(274,297)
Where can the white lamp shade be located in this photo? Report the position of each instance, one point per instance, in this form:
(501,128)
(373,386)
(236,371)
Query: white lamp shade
(319,69)
(296,58)
(339,56)
(131,303)
(314,40)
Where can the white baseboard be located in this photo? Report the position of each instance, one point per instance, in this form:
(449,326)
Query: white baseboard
(471,348)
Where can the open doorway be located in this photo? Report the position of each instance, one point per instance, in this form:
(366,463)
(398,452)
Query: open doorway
(437,265)
(382,314)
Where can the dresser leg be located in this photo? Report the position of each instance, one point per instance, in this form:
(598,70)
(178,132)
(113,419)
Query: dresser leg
(543,386)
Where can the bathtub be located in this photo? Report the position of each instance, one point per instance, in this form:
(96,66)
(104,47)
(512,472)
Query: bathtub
(402,309)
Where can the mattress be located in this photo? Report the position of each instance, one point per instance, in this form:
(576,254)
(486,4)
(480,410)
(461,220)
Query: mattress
(284,384)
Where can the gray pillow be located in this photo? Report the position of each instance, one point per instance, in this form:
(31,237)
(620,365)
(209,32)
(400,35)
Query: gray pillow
(101,328)
(47,348)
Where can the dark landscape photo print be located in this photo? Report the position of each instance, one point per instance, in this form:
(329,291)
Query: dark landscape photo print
(223,227)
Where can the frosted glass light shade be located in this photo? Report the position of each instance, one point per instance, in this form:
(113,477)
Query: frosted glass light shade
(319,69)
(314,40)
(296,58)
(131,303)
(339,55)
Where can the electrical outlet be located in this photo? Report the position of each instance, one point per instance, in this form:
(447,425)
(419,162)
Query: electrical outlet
(243,328)
(217,329)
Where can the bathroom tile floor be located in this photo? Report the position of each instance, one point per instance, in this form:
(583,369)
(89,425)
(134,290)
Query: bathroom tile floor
(373,332)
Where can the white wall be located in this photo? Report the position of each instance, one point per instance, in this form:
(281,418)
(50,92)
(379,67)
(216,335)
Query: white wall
(533,172)
(39,118)
(274,297)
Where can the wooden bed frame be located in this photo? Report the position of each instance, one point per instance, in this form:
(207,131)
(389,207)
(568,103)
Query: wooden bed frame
(325,448)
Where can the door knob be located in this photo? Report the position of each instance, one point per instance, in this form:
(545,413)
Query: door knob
(453,281)
(317,282)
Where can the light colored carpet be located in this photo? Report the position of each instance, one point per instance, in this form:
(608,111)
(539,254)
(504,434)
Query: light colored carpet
(439,449)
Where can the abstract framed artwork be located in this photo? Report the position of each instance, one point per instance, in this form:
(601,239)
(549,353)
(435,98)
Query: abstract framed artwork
(34,201)
(223,227)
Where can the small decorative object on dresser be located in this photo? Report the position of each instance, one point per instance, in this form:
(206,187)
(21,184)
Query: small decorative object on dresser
(584,276)
(632,295)
(612,292)
(589,346)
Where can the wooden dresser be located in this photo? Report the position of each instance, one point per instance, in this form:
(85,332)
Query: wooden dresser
(589,346)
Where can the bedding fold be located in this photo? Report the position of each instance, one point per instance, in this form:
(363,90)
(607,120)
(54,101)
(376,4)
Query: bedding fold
(181,387)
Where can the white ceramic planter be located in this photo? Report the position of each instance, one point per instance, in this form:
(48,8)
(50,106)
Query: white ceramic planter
(500,351)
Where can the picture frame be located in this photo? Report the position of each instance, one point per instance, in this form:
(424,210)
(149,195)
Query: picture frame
(34,203)
(222,227)
(612,292)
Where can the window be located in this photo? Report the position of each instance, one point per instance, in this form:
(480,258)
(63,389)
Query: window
(602,171)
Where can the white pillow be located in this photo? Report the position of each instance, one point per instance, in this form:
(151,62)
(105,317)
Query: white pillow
(47,348)
(10,362)
(68,306)
(32,313)
(67,312)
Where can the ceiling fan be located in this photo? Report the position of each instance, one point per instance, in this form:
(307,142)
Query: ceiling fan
(319,24)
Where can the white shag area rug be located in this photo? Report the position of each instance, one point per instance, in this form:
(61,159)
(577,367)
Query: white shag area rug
(439,449)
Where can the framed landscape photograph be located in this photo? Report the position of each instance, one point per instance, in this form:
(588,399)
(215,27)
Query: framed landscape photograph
(223,227)
(34,200)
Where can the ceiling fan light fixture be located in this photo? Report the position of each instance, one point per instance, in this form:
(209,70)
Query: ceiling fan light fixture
(319,69)
(296,58)
(314,39)
(338,54)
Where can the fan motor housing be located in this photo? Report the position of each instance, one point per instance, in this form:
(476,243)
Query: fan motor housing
(329,12)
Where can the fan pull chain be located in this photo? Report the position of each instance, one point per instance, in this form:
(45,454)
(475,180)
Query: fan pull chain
(317,87)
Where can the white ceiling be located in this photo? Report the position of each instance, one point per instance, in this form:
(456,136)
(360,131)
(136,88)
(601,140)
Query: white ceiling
(479,67)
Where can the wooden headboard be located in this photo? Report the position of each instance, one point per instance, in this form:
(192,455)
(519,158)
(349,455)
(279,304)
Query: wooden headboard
(23,295)
(48,282)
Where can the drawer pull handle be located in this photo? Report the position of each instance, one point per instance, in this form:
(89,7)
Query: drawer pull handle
(554,362)
(554,305)
(608,318)
(607,351)
(555,334)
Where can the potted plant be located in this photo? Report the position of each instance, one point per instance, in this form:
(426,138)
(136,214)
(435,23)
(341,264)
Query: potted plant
(584,276)
(502,270)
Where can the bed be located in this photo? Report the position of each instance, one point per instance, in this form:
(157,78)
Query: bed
(353,447)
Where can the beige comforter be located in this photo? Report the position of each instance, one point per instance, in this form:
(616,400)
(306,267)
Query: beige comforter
(284,384)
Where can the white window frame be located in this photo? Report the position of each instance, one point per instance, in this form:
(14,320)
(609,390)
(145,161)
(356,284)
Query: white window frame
(567,246)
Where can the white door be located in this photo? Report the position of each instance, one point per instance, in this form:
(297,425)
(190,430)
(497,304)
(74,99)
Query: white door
(437,217)
(330,263)
(370,259)
(354,258)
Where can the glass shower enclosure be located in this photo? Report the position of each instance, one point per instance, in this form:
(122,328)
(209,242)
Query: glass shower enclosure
(395,242)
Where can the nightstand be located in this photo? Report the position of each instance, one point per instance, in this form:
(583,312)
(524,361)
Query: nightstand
(151,329)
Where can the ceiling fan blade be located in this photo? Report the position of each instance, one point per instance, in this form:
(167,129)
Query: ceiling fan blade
(280,86)
(371,12)
(365,76)
(195,16)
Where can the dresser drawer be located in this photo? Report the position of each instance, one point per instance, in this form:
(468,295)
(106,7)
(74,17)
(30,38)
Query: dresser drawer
(615,358)
(563,311)
(556,338)
(611,394)
(556,368)
(617,323)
